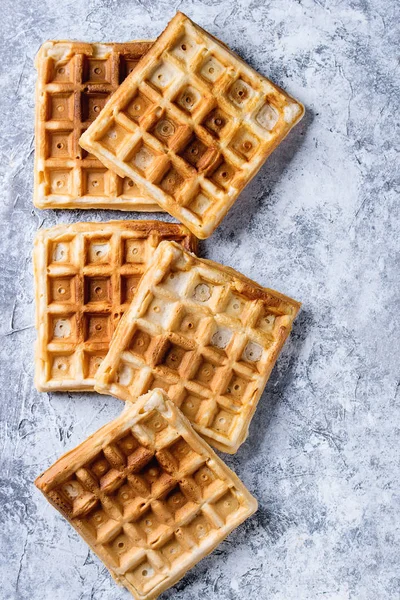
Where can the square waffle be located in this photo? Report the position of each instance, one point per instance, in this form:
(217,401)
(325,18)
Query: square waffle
(75,80)
(206,335)
(86,275)
(191,125)
(148,495)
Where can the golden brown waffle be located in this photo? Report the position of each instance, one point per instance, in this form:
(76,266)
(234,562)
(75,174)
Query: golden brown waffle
(206,335)
(75,80)
(191,125)
(86,274)
(148,495)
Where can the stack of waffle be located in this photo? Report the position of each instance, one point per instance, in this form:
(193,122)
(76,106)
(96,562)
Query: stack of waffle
(127,308)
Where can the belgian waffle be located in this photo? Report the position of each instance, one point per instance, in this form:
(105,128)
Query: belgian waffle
(192,125)
(206,335)
(148,495)
(86,274)
(75,80)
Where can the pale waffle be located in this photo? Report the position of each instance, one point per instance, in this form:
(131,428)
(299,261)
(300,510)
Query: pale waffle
(191,125)
(86,275)
(75,80)
(205,334)
(148,495)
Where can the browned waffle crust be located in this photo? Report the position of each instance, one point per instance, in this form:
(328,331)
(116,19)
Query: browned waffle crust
(74,81)
(192,125)
(205,334)
(148,495)
(86,274)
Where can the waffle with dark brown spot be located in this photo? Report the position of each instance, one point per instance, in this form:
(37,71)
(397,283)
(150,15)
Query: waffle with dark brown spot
(192,125)
(75,80)
(86,275)
(148,495)
(206,335)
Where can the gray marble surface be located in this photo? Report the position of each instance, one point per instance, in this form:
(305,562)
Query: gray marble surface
(320,223)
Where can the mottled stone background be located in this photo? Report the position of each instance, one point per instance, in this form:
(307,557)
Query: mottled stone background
(320,222)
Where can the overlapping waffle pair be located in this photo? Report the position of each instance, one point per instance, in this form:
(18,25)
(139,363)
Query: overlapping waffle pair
(127,308)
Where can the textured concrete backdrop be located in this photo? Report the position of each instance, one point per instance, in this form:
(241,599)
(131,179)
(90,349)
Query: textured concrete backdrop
(320,223)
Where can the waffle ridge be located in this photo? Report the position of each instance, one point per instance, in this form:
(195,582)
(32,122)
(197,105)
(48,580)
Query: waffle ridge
(206,335)
(74,81)
(191,125)
(86,275)
(148,495)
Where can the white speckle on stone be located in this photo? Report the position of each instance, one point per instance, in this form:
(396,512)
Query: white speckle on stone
(234,585)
